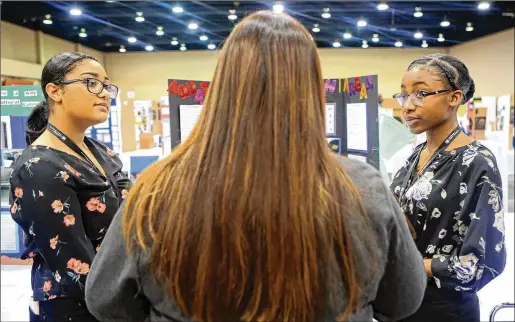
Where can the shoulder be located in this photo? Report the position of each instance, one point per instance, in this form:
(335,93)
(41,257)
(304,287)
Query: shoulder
(478,159)
(42,164)
(106,151)
(377,198)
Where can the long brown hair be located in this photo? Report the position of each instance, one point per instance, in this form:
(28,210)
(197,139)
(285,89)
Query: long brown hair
(247,216)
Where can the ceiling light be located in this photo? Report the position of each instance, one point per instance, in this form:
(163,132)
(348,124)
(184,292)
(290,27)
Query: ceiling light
(424,44)
(109,1)
(232,15)
(160,31)
(441,38)
(445,22)
(336,44)
(149,48)
(174,41)
(132,40)
(382,6)
(418,12)
(398,43)
(375,38)
(139,17)
(203,38)
(347,35)
(48,20)
(316,28)
(362,22)
(278,7)
(418,35)
(83,33)
(183,47)
(193,26)
(483,5)
(364,44)
(469,26)
(75,12)
(326,14)
(177,9)
(211,46)
(122,49)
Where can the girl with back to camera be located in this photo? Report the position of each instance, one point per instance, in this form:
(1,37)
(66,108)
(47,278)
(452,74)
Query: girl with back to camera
(450,190)
(66,187)
(252,218)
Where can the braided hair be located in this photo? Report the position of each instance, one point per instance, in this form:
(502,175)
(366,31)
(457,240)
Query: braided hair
(451,69)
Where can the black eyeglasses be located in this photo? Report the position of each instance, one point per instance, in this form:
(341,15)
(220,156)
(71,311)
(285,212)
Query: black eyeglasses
(94,86)
(417,98)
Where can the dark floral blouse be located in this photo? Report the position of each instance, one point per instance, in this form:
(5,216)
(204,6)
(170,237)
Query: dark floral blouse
(64,206)
(456,208)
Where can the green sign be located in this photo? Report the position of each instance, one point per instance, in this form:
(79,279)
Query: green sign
(20,100)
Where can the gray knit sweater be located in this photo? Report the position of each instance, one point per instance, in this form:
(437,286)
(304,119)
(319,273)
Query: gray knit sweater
(120,288)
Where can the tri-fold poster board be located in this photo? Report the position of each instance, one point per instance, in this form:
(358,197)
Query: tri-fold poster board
(351,125)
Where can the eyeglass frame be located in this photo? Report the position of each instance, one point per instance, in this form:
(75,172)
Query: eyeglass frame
(422,93)
(87,79)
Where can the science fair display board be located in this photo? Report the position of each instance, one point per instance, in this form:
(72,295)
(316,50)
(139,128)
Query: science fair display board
(351,125)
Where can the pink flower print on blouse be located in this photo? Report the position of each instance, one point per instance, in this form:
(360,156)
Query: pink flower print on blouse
(72,170)
(77,266)
(110,152)
(51,297)
(54,241)
(125,193)
(58,206)
(69,220)
(47,286)
(97,249)
(62,175)
(18,192)
(95,204)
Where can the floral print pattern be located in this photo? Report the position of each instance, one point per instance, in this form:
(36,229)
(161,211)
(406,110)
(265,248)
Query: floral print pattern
(458,216)
(57,214)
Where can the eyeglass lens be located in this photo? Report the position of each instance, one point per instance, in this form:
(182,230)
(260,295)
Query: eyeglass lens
(96,87)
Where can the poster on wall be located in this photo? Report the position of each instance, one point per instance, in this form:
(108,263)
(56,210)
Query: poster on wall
(188,117)
(20,100)
(357,136)
(480,123)
(330,119)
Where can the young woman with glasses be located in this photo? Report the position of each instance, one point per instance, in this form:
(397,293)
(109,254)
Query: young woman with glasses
(66,187)
(450,190)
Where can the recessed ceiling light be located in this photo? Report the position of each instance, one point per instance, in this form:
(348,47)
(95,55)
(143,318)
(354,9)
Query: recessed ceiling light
(398,43)
(336,44)
(362,22)
(364,44)
(75,12)
(382,6)
(177,9)
(183,47)
(424,44)
(347,35)
(193,26)
(132,40)
(203,38)
(232,15)
(48,20)
(160,31)
(149,48)
(211,46)
(122,49)
(445,23)
(174,42)
(326,14)
(483,5)
(441,38)
(469,27)
(139,17)
(418,12)
(375,38)
(83,33)
(109,1)
(418,35)
(316,28)
(278,7)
